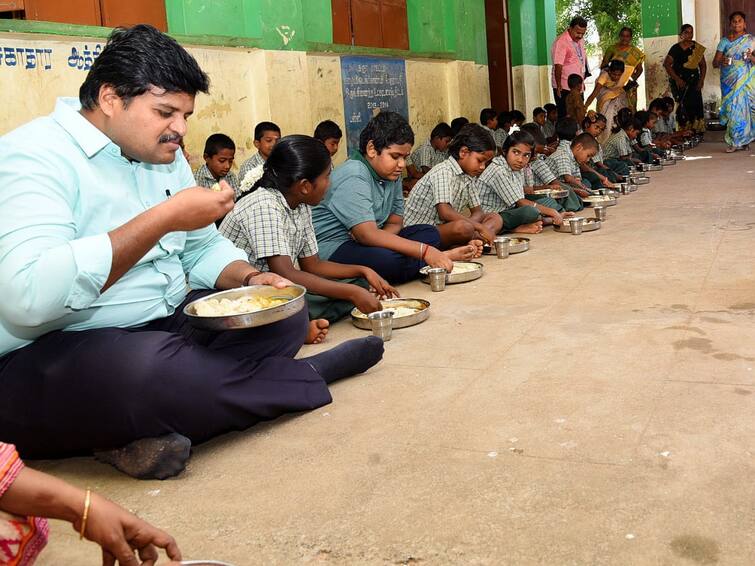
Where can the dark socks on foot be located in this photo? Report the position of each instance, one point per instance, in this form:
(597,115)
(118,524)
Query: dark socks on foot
(347,359)
(150,458)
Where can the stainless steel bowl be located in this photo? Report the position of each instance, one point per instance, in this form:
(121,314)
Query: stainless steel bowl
(294,294)
(519,245)
(422,314)
(457,277)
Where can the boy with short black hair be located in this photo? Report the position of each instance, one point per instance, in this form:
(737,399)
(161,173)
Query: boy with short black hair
(539,116)
(361,219)
(572,150)
(431,153)
(504,121)
(575,101)
(266,135)
(219,152)
(551,118)
(458,123)
(489,121)
(330,134)
(619,145)
(517,118)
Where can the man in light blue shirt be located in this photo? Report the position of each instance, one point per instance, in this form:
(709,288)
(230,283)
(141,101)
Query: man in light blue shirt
(102,230)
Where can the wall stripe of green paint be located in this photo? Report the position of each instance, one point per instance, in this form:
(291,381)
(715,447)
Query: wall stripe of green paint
(232,18)
(661,17)
(429,28)
(532,31)
(318,20)
(283,25)
(471,34)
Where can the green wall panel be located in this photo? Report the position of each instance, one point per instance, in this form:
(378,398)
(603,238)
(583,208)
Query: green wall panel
(318,20)
(283,25)
(232,18)
(532,31)
(661,17)
(431,25)
(471,36)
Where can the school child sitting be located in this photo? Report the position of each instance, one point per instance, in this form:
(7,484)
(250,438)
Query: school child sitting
(575,101)
(538,175)
(505,121)
(431,153)
(644,142)
(615,171)
(549,127)
(219,151)
(502,188)
(457,124)
(266,135)
(360,220)
(330,134)
(517,119)
(619,145)
(489,121)
(272,223)
(441,196)
(566,159)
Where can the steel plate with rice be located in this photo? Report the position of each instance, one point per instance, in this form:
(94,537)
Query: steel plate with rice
(552,193)
(463,272)
(406,312)
(602,200)
(245,307)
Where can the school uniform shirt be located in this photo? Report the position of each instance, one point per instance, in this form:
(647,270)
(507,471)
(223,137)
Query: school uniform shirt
(493,135)
(254,161)
(205,178)
(356,195)
(617,146)
(548,129)
(500,135)
(562,162)
(446,183)
(541,171)
(63,186)
(500,187)
(598,157)
(427,156)
(646,138)
(264,225)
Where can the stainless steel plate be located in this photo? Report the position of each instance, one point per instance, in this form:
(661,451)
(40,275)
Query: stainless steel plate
(654,167)
(553,193)
(590,225)
(458,277)
(422,307)
(296,302)
(593,200)
(516,246)
(639,180)
(668,162)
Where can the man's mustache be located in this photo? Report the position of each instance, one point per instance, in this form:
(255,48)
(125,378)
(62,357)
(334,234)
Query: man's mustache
(171,139)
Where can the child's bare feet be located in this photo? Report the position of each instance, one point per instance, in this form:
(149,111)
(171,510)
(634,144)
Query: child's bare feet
(477,244)
(318,330)
(534,228)
(462,253)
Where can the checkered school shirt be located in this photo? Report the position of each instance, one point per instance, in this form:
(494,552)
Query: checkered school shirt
(646,137)
(204,178)
(500,187)
(499,136)
(562,161)
(598,157)
(548,129)
(541,172)
(617,146)
(264,225)
(427,156)
(445,183)
(254,161)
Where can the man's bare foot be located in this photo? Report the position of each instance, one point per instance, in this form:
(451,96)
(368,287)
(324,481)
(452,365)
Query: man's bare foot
(534,228)
(477,244)
(462,253)
(318,330)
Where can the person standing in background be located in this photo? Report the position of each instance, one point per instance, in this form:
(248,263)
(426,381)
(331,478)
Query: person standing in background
(569,58)
(632,57)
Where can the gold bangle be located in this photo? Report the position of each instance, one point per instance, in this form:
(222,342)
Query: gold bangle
(85,516)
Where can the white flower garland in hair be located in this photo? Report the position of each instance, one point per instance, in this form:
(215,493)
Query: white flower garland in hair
(252,176)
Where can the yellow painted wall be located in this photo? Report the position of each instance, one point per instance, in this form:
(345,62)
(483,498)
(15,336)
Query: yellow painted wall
(294,89)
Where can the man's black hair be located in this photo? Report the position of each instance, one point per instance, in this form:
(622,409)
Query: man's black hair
(574,81)
(537,111)
(487,114)
(579,22)
(585,140)
(458,123)
(474,137)
(384,130)
(328,130)
(566,128)
(262,127)
(137,59)
(216,142)
(442,130)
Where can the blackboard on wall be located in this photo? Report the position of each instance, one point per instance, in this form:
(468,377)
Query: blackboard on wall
(371,85)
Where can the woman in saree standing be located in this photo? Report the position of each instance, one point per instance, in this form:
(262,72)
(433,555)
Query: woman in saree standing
(685,65)
(632,57)
(734,58)
(609,90)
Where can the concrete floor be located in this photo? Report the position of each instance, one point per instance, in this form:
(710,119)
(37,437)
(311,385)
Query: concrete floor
(588,402)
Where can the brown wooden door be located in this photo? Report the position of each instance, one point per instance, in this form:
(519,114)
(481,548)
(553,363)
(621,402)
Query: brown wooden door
(499,62)
(120,13)
(371,23)
(729,6)
(85,12)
